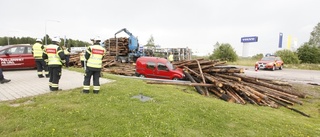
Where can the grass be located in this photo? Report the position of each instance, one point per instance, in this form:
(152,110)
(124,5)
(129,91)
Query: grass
(173,111)
(251,62)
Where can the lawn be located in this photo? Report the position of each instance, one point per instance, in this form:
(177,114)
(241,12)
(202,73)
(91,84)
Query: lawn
(173,111)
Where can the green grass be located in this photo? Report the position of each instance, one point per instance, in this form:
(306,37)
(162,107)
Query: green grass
(251,62)
(174,111)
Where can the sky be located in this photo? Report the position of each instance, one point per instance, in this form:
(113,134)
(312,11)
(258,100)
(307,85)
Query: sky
(196,24)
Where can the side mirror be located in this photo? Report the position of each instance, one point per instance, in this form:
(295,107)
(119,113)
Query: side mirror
(7,53)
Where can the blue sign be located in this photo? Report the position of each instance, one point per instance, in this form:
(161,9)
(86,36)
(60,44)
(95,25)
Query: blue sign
(249,39)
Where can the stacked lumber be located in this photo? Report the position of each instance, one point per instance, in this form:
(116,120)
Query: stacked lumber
(111,46)
(215,78)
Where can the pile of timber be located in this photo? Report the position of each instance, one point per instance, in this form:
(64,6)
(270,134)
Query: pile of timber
(111,46)
(108,65)
(215,78)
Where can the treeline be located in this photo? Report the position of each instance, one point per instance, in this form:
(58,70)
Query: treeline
(30,40)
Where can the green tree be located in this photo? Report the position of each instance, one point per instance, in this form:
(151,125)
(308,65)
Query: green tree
(257,57)
(224,51)
(288,56)
(309,53)
(150,43)
(315,36)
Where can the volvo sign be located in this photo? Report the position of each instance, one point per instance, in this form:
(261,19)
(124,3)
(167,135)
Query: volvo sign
(249,39)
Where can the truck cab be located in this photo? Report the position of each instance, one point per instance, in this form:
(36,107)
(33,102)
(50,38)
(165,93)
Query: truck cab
(154,67)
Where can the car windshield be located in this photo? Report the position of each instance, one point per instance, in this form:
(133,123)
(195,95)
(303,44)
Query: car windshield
(268,59)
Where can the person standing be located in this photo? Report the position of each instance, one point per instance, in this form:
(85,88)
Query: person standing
(170,58)
(56,59)
(37,51)
(82,58)
(93,56)
(67,55)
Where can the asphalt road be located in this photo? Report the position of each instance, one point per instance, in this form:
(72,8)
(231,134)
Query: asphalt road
(289,75)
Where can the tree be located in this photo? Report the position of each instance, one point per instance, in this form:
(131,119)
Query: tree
(288,56)
(315,36)
(150,43)
(224,51)
(309,53)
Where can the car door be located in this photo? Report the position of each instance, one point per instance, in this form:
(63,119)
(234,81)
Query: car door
(11,58)
(150,69)
(162,71)
(28,59)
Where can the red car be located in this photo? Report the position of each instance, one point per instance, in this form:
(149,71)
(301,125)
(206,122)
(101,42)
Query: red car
(154,67)
(269,62)
(17,57)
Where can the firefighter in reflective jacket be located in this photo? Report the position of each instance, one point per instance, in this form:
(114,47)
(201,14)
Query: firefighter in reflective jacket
(37,51)
(93,55)
(55,56)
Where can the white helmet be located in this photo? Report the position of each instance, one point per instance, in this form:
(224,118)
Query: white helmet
(38,40)
(56,39)
(97,39)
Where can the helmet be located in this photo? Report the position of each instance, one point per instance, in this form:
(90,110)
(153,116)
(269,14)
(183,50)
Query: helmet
(56,39)
(97,39)
(38,40)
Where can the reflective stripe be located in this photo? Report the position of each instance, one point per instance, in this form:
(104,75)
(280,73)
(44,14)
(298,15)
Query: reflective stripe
(39,73)
(50,83)
(96,87)
(54,85)
(37,51)
(86,87)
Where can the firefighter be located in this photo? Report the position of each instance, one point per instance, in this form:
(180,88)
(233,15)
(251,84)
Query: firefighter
(37,51)
(55,56)
(67,55)
(82,59)
(93,56)
(170,57)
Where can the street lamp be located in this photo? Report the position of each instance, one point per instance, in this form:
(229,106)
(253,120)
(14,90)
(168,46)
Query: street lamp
(45,29)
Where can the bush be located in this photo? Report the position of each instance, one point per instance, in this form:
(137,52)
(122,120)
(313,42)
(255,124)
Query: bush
(288,56)
(224,52)
(257,57)
(309,53)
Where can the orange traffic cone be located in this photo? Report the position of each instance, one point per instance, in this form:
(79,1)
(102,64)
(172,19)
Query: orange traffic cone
(256,68)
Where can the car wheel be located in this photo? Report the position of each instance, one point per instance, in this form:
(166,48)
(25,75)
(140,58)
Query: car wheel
(175,78)
(281,67)
(273,68)
(141,76)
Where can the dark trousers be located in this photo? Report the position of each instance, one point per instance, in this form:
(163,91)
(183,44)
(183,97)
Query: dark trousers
(55,75)
(1,74)
(41,65)
(67,57)
(87,79)
(82,63)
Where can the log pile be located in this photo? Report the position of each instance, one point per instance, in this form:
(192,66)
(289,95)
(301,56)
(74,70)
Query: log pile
(214,78)
(111,48)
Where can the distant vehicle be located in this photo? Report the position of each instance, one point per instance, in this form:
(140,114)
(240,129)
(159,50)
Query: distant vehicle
(269,62)
(154,67)
(17,57)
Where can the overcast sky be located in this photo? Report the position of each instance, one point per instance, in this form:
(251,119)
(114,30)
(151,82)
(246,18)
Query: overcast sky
(197,24)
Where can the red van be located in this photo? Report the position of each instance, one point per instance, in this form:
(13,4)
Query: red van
(154,67)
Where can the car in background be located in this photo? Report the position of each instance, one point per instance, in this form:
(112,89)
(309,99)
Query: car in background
(269,62)
(154,67)
(17,57)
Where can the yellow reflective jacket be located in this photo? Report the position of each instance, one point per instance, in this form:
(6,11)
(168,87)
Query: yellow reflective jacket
(53,54)
(37,50)
(96,54)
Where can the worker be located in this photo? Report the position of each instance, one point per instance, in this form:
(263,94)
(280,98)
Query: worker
(82,58)
(2,79)
(67,55)
(170,57)
(37,51)
(93,56)
(56,59)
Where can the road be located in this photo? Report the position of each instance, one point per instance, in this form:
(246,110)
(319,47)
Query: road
(289,75)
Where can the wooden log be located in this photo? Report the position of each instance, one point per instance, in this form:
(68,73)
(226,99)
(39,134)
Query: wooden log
(223,70)
(228,77)
(199,90)
(203,79)
(181,83)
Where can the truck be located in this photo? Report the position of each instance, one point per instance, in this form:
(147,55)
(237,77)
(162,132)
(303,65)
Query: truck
(133,48)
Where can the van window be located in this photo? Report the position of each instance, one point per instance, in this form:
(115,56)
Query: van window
(162,66)
(151,65)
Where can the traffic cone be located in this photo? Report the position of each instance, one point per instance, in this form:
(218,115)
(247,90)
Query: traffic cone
(256,68)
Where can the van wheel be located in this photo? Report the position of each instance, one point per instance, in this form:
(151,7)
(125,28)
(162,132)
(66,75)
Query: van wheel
(175,78)
(141,76)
